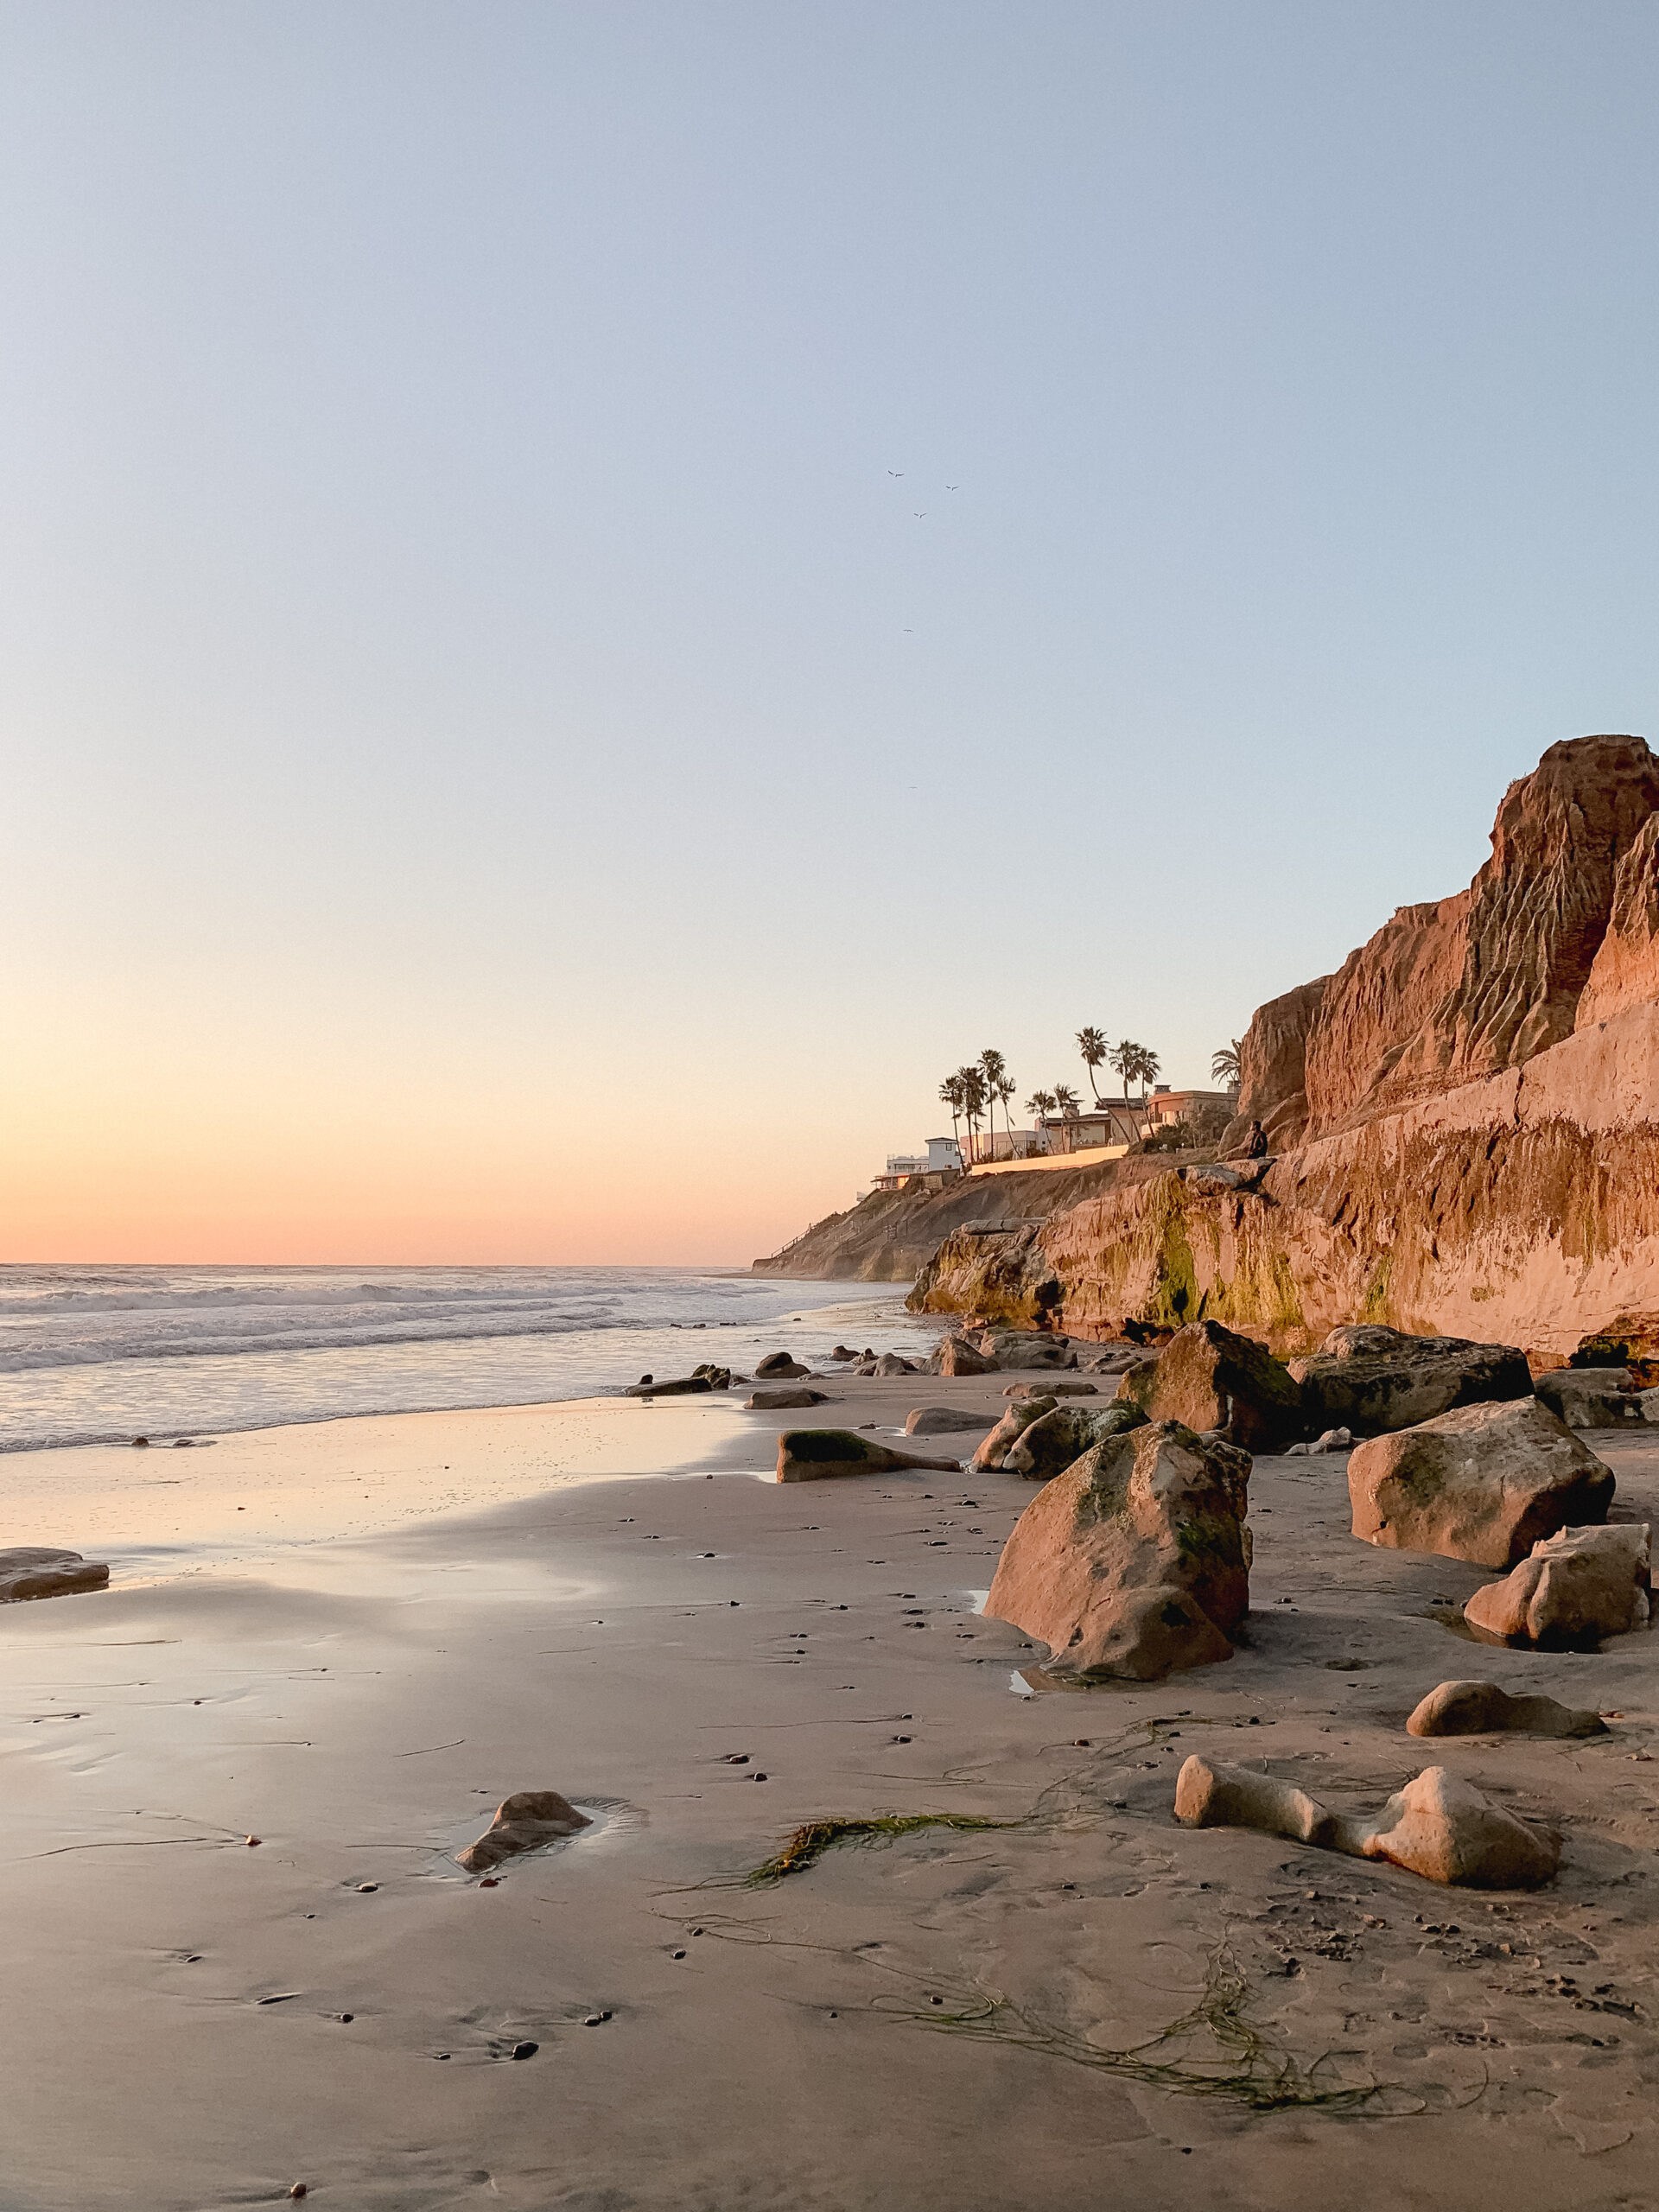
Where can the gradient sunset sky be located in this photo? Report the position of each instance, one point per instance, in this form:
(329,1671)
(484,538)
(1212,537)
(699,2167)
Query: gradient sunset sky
(499,764)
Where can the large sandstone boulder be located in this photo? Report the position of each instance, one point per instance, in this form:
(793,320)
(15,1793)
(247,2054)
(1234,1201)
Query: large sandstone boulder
(1591,1397)
(525,1822)
(812,1455)
(1438,1826)
(1483,1709)
(1483,1483)
(1134,1562)
(1012,1426)
(39,1571)
(1050,1445)
(956,1356)
(1574,1588)
(1208,1378)
(1373,1379)
(893,1363)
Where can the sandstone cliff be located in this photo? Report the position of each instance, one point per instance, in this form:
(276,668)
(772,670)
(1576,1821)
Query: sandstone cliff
(1457,989)
(1467,1113)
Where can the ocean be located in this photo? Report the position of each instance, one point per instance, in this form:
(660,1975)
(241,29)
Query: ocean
(97,1355)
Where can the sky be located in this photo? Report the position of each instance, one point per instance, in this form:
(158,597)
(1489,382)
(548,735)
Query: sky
(593,597)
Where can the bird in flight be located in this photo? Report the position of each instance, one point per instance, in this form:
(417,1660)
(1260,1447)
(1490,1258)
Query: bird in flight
(953,487)
(895,472)
(921,514)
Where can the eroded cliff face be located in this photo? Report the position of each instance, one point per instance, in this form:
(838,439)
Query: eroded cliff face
(1459,988)
(1466,1116)
(1523,1209)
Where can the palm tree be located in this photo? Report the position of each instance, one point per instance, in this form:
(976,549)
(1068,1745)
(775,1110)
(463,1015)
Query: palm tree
(1003,1089)
(994,1067)
(1224,1065)
(1040,1103)
(1091,1043)
(973,1101)
(1136,1065)
(1066,1099)
(951,1092)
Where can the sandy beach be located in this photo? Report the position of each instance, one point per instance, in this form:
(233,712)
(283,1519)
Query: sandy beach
(310,1641)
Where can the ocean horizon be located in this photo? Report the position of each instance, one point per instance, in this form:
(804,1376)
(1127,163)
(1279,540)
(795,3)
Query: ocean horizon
(100,1354)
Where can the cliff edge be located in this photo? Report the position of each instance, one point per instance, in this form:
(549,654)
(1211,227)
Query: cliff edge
(1465,1117)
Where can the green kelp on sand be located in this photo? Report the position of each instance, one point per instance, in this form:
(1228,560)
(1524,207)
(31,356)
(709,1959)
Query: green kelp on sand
(813,1838)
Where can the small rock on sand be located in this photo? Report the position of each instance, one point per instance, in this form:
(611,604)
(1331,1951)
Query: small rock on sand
(37,1571)
(777,1402)
(525,1822)
(939,1420)
(1483,1709)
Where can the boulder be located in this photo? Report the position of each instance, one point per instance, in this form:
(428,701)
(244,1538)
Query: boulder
(812,1455)
(1207,1378)
(1591,1397)
(38,1571)
(684,1386)
(1021,1348)
(956,1356)
(1050,1445)
(1112,1362)
(1438,1826)
(1482,1709)
(1012,1426)
(1133,1562)
(1484,1483)
(777,1402)
(1334,1439)
(1575,1587)
(719,1378)
(523,1821)
(891,1364)
(1375,1379)
(779,1364)
(1051,1390)
(843,1351)
(940,1421)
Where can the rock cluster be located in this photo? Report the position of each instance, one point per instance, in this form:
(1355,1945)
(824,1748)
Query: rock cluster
(1135,1562)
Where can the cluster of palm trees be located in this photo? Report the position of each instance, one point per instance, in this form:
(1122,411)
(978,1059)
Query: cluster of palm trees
(975,1091)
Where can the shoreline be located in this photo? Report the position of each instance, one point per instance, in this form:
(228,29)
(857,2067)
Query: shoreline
(619,1611)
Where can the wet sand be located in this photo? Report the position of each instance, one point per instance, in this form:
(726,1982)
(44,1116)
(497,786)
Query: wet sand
(356,1667)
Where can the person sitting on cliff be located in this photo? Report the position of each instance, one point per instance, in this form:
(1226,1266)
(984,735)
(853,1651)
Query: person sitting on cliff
(1256,1145)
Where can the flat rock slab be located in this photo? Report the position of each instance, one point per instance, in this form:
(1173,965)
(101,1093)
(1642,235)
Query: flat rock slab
(1483,1709)
(813,1455)
(940,1421)
(1484,1483)
(36,1571)
(523,1821)
(681,1386)
(777,1402)
(1054,1390)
